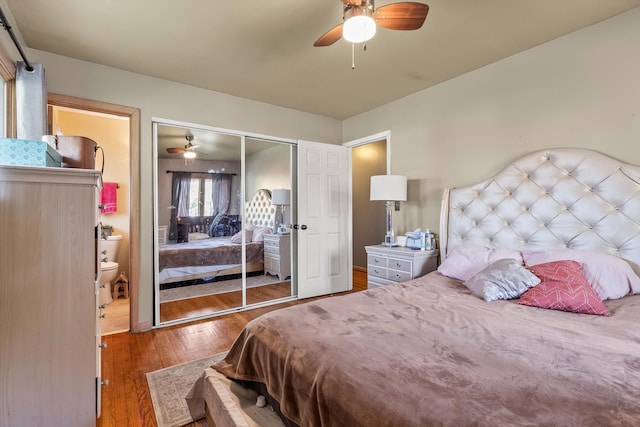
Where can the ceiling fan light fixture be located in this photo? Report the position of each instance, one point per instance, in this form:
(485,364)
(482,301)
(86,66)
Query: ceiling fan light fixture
(359,29)
(189,154)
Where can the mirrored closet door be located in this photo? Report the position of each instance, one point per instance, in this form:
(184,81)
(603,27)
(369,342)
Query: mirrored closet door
(223,211)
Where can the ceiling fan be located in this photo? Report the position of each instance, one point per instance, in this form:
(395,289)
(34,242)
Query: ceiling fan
(361,17)
(189,150)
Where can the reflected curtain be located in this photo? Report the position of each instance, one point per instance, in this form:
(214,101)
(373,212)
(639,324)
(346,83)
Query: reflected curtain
(180,184)
(221,193)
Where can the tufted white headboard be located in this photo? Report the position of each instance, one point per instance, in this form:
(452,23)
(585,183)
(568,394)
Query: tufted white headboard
(260,211)
(552,199)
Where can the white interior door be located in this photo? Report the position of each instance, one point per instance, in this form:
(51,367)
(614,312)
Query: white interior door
(324,219)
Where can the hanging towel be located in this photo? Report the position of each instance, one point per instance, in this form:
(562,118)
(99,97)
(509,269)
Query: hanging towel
(108,197)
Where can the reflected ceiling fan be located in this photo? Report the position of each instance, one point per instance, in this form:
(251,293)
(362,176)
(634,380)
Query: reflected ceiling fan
(361,18)
(189,150)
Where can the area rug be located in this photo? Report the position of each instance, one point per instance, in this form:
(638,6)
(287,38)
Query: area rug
(212,288)
(169,386)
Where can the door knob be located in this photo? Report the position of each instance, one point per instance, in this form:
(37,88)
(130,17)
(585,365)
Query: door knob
(296,226)
(304,227)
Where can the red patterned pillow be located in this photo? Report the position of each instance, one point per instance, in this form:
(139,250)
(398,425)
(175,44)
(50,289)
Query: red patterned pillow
(563,287)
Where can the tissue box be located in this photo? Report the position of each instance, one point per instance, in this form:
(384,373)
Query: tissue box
(24,152)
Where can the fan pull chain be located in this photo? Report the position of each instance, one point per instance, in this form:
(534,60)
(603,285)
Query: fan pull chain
(353,56)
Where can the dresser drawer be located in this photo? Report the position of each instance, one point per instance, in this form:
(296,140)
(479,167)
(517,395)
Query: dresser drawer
(271,243)
(400,264)
(375,282)
(398,276)
(376,271)
(377,260)
(275,250)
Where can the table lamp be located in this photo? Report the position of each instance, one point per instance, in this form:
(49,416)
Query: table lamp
(389,188)
(281,198)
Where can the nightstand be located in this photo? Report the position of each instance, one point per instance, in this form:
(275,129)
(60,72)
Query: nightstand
(386,266)
(277,255)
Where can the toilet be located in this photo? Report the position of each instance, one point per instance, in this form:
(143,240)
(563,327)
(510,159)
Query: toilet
(108,266)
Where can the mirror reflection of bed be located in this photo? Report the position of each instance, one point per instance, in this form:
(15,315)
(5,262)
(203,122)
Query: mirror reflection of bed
(201,250)
(203,269)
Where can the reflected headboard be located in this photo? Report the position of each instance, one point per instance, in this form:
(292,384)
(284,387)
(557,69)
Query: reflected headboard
(259,210)
(559,198)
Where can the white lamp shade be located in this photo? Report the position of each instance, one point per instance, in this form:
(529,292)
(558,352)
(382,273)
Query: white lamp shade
(280,196)
(389,188)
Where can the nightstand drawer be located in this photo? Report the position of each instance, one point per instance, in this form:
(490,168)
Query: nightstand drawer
(376,271)
(375,282)
(400,264)
(271,243)
(398,276)
(376,260)
(275,250)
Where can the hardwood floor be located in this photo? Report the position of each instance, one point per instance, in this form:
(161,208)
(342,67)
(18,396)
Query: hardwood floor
(128,357)
(202,305)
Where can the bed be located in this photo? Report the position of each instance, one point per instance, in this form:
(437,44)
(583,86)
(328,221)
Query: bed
(201,255)
(531,319)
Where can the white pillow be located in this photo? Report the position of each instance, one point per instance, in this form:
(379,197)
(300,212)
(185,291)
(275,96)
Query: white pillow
(503,279)
(611,277)
(237,238)
(467,260)
(259,232)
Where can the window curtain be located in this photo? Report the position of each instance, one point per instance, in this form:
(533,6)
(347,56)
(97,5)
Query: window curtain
(221,194)
(180,184)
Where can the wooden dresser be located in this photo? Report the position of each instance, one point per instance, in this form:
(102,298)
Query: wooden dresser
(49,330)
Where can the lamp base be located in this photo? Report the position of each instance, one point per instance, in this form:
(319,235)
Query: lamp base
(389,241)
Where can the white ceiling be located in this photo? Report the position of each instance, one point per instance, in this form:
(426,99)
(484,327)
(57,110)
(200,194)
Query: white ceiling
(263,49)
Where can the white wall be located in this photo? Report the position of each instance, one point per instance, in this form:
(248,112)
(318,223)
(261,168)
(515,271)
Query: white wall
(164,99)
(581,90)
(268,169)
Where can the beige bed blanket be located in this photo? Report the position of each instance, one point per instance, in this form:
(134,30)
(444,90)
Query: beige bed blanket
(427,352)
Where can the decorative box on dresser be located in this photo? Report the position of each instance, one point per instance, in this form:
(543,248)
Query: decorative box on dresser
(49,270)
(388,265)
(277,255)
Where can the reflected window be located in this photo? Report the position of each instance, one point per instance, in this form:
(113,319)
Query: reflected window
(200,196)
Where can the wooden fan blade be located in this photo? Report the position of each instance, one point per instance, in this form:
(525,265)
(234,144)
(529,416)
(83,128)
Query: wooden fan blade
(401,16)
(330,37)
(175,150)
(352,2)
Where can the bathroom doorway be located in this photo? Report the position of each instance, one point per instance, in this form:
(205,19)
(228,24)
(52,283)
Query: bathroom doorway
(112,134)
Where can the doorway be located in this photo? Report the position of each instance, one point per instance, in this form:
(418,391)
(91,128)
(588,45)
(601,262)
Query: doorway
(111,133)
(115,128)
(370,156)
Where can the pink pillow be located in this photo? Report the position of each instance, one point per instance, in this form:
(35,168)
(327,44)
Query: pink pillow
(237,238)
(563,287)
(466,261)
(259,232)
(611,277)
